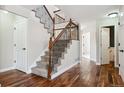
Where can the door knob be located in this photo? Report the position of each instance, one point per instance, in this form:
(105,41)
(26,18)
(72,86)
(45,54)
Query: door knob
(122,51)
(23,48)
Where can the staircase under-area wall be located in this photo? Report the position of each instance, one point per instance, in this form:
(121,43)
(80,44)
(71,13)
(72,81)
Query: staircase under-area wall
(63,48)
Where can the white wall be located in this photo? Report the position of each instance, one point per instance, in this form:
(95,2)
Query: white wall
(6,40)
(90,27)
(16,9)
(121,40)
(37,39)
(107,22)
(70,59)
(6,36)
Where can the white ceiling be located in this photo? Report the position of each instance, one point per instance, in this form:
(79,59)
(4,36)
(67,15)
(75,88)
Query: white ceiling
(80,13)
(30,7)
(85,13)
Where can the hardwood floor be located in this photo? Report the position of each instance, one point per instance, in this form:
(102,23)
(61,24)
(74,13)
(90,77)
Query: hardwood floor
(85,74)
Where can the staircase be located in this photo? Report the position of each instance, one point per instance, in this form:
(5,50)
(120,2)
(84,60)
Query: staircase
(45,18)
(58,46)
(58,52)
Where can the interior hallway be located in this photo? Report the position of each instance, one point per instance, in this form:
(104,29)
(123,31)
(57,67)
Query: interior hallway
(85,74)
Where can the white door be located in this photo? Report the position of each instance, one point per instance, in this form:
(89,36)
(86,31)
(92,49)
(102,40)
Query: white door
(20,45)
(105,45)
(121,50)
(86,45)
(121,45)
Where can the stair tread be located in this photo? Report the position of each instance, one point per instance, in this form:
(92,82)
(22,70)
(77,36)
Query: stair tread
(47,57)
(40,69)
(56,47)
(53,51)
(43,63)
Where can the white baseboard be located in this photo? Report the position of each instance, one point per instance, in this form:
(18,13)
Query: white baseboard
(94,60)
(63,70)
(98,63)
(7,69)
(84,56)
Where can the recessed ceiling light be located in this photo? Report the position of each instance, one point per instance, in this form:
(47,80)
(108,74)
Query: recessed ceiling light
(5,12)
(115,14)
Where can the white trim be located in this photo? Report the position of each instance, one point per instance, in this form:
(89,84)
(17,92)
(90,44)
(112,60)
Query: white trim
(107,22)
(92,59)
(63,70)
(85,56)
(115,35)
(116,66)
(7,69)
(25,21)
(98,63)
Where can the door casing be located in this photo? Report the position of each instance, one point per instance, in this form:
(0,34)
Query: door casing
(105,39)
(22,50)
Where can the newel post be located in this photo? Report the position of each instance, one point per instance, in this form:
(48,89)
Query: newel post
(50,59)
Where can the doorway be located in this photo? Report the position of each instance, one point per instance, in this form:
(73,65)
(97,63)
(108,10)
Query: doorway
(20,43)
(108,45)
(13,41)
(86,45)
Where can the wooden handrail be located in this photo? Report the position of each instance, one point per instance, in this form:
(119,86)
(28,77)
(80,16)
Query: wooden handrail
(60,34)
(56,11)
(53,26)
(60,17)
(51,44)
(50,61)
(63,28)
(55,40)
(48,12)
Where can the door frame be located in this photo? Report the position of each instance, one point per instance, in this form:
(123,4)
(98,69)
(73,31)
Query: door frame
(14,49)
(115,44)
(19,12)
(101,42)
(84,56)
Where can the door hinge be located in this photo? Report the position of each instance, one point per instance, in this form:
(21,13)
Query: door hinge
(14,28)
(119,65)
(119,44)
(14,61)
(15,45)
(119,23)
